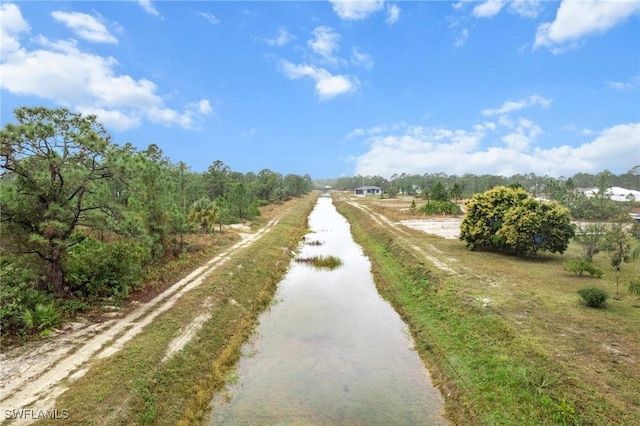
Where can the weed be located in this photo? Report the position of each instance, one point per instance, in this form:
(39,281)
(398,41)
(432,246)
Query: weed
(327,262)
(149,414)
(233,378)
(539,379)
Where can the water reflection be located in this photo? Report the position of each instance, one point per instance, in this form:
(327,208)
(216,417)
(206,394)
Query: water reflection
(332,351)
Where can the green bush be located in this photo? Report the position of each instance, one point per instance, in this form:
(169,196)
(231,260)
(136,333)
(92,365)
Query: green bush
(96,269)
(18,292)
(509,220)
(594,297)
(440,207)
(42,317)
(581,266)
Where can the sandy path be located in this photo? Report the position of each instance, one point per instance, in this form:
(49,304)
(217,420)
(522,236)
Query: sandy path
(438,262)
(33,376)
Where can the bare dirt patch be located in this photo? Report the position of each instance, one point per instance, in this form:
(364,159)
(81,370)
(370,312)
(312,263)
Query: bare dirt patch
(446,227)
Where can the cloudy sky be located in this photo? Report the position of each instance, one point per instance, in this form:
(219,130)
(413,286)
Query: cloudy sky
(339,88)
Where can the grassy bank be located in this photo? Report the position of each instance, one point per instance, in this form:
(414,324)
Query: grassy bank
(507,339)
(138,386)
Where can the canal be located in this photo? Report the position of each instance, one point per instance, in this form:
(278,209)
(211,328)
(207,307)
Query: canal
(330,350)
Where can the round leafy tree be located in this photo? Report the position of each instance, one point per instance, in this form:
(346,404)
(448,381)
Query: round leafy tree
(507,219)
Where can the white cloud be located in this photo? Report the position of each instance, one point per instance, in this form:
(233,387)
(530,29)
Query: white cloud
(462,39)
(204,107)
(488,9)
(283,38)
(578,19)
(618,145)
(11,25)
(324,43)
(525,133)
(420,150)
(460,4)
(360,58)
(328,85)
(209,17)
(393,14)
(619,85)
(148,7)
(112,119)
(525,8)
(88,83)
(625,85)
(85,26)
(511,106)
(355,10)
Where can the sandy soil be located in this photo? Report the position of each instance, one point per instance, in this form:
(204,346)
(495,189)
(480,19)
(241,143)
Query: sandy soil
(32,376)
(448,227)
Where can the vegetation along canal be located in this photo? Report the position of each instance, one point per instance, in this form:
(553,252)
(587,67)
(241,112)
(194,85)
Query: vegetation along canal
(331,350)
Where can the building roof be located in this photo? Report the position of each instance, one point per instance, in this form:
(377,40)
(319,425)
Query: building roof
(368,187)
(616,193)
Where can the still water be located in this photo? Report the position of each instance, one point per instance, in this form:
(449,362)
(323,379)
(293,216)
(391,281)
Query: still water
(331,350)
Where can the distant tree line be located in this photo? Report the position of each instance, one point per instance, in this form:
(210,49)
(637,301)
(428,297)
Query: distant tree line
(566,191)
(422,185)
(83,217)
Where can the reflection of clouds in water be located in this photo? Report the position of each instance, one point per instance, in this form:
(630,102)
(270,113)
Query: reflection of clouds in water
(332,331)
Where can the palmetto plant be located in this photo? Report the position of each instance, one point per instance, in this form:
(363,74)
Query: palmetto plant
(43,317)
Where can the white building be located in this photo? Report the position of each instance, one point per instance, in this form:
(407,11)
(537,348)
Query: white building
(616,193)
(363,191)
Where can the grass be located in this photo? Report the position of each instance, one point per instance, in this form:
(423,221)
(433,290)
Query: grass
(507,339)
(327,262)
(134,386)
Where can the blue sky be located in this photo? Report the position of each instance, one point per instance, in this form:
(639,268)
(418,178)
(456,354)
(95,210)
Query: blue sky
(335,88)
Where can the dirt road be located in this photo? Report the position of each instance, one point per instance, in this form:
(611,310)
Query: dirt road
(428,252)
(34,375)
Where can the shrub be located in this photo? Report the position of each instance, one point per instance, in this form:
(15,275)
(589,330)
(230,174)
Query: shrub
(440,207)
(594,297)
(42,317)
(96,269)
(581,266)
(509,220)
(18,292)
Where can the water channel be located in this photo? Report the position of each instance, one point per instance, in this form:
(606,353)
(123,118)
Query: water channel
(330,350)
